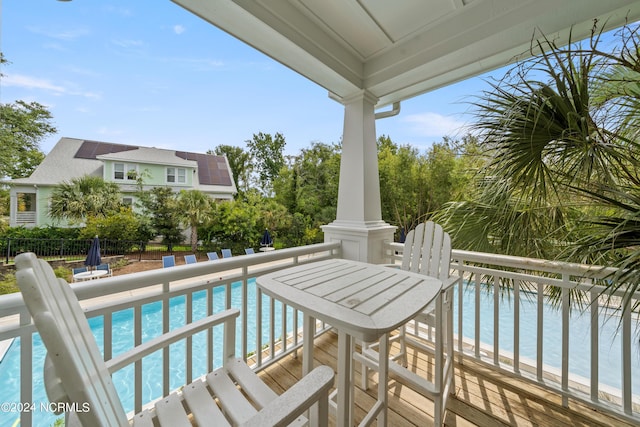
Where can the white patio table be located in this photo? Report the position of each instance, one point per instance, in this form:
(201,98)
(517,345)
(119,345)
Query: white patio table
(89,275)
(361,301)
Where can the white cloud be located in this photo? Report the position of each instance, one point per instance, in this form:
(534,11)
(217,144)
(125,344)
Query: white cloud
(127,43)
(66,34)
(434,124)
(179,29)
(27,82)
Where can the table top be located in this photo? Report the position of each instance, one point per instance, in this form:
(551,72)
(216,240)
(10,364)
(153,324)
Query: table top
(93,274)
(366,300)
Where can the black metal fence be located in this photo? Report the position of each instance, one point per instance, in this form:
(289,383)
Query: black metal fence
(72,249)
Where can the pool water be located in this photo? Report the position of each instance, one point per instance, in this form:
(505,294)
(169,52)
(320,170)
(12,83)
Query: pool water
(609,353)
(610,358)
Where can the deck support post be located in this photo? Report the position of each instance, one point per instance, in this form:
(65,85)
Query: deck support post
(359,225)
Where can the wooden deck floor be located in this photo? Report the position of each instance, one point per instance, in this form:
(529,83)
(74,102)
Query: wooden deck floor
(483,397)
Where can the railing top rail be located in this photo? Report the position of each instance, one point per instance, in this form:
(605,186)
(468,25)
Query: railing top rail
(537,264)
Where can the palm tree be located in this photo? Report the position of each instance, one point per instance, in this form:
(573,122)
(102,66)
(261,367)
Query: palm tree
(84,197)
(195,207)
(561,133)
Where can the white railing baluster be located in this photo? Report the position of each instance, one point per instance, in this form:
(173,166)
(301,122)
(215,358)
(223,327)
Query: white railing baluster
(137,374)
(26,368)
(477,316)
(626,361)
(496,320)
(565,340)
(244,313)
(295,328)
(210,297)
(595,345)
(259,326)
(460,312)
(539,332)
(283,327)
(188,316)
(272,328)
(516,325)
(107,338)
(166,357)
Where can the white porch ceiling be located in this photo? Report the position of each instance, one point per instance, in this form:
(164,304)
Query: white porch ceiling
(398,49)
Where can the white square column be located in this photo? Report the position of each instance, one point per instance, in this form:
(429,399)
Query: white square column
(359,225)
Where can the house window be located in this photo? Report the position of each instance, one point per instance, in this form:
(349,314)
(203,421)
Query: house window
(26,209)
(178,175)
(122,171)
(127,201)
(26,202)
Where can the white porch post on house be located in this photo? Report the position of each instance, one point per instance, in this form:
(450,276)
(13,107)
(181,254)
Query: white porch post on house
(359,225)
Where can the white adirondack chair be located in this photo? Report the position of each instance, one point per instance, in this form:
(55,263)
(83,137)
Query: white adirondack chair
(75,372)
(427,250)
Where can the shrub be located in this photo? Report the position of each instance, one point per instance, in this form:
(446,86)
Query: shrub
(8,284)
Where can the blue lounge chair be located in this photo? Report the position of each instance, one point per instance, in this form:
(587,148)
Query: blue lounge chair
(190,259)
(168,261)
(226,253)
(79,270)
(106,268)
(249,251)
(212,256)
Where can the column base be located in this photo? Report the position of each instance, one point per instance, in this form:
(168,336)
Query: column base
(361,241)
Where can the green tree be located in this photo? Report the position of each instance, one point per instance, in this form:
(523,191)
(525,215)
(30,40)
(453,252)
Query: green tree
(22,126)
(239,162)
(561,131)
(195,207)
(84,197)
(121,225)
(403,195)
(316,172)
(267,154)
(161,206)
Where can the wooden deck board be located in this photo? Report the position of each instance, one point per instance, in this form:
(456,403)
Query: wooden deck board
(483,396)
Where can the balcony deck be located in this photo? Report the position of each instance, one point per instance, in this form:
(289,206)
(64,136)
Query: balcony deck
(483,397)
(496,386)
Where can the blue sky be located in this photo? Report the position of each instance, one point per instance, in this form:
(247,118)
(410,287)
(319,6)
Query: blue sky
(149,73)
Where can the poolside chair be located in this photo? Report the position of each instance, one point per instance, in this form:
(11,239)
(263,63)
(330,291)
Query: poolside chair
(212,256)
(77,270)
(77,376)
(249,251)
(106,268)
(427,250)
(190,259)
(226,253)
(168,261)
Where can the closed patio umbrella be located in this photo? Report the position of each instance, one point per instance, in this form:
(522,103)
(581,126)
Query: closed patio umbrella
(266,239)
(93,256)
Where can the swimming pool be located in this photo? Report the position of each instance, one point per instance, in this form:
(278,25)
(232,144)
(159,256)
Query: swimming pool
(609,353)
(152,324)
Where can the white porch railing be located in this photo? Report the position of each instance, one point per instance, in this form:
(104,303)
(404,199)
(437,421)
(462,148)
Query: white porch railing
(104,298)
(26,217)
(494,278)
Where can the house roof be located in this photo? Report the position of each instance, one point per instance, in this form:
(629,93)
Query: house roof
(148,155)
(399,49)
(72,158)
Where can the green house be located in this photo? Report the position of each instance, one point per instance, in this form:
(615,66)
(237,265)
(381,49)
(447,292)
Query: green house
(122,164)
